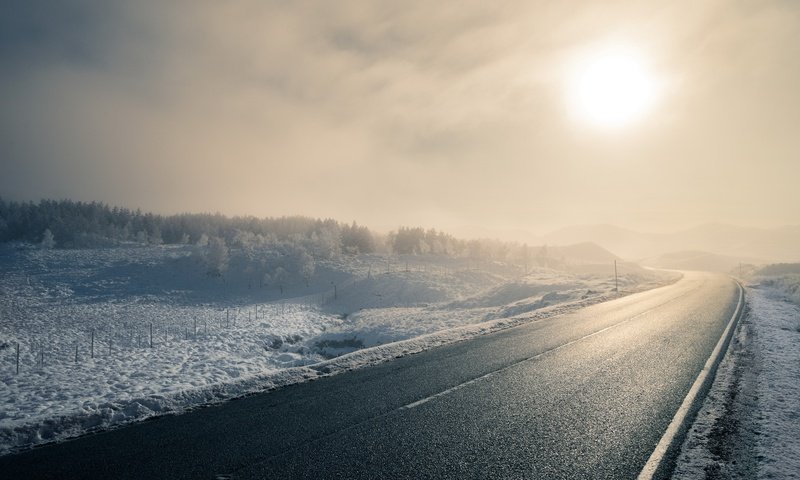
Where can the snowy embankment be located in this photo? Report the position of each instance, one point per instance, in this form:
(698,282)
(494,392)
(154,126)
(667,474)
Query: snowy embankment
(110,336)
(748,426)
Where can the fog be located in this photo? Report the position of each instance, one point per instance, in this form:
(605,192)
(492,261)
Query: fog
(393,113)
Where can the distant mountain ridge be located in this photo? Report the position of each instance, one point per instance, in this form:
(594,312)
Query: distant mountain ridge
(698,260)
(781,244)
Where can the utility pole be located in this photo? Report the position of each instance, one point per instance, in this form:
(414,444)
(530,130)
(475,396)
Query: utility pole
(616,282)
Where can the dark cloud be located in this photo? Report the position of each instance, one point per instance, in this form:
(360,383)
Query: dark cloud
(32,33)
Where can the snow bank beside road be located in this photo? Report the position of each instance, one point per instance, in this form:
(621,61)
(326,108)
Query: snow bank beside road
(748,425)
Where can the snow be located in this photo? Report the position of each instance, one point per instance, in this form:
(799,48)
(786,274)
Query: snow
(218,338)
(748,426)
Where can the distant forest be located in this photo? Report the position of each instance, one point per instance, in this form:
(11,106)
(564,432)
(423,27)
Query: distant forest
(71,224)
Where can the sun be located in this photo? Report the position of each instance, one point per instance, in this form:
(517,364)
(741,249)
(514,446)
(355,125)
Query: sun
(610,88)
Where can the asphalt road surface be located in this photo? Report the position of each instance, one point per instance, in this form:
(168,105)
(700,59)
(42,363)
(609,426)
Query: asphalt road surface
(582,395)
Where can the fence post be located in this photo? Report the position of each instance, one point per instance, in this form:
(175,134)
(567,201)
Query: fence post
(17,358)
(92,344)
(151,334)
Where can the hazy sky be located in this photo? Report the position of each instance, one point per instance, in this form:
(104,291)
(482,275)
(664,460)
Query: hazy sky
(404,112)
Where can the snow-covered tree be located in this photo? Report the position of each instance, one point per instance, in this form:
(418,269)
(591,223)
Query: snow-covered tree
(279,277)
(217,257)
(356,239)
(48,241)
(326,243)
(307,266)
(155,237)
(141,237)
(202,241)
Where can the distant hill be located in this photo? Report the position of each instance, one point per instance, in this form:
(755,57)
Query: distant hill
(697,260)
(775,245)
(627,243)
(585,253)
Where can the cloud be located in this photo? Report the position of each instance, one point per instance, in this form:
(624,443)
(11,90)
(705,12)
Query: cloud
(389,112)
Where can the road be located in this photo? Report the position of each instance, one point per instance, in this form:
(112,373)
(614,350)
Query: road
(582,395)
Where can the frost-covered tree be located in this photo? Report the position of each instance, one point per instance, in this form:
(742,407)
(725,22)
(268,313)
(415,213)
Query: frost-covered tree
(202,241)
(356,239)
(279,277)
(524,257)
(326,243)
(155,237)
(141,237)
(216,257)
(543,257)
(307,266)
(48,241)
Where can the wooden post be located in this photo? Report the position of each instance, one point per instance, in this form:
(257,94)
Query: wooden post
(17,358)
(151,334)
(76,352)
(91,348)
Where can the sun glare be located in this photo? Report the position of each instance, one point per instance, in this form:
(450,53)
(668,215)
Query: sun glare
(611,88)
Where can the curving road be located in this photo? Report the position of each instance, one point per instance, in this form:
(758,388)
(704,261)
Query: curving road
(583,395)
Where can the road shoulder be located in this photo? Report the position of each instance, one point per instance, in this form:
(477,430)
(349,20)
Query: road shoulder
(747,427)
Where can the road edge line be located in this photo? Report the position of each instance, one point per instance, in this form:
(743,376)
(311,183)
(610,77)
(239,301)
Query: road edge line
(659,464)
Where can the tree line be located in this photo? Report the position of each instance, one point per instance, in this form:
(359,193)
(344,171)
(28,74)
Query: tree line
(75,224)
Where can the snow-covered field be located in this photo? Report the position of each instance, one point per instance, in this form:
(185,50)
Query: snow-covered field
(748,426)
(108,336)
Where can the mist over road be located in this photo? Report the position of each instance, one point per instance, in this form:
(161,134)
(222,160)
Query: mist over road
(582,395)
